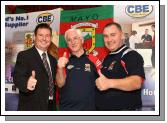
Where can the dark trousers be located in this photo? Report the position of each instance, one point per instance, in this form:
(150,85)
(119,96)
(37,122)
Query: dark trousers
(153,57)
(51,105)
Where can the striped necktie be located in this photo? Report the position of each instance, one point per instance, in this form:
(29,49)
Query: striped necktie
(51,84)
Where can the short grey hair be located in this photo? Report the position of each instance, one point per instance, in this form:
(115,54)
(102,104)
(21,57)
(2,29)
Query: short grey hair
(78,31)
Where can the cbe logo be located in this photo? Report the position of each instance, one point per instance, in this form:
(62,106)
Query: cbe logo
(45,18)
(139,10)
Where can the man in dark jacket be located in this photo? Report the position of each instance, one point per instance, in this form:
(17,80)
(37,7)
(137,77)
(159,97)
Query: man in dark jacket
(34,74)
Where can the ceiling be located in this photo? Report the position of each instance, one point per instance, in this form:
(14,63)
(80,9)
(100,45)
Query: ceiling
(17,9)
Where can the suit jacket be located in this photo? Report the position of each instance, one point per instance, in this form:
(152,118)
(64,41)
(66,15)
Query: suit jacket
(36,100)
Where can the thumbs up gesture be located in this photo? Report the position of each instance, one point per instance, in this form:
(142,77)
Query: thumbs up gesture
(102,83)
(31,82)
(62,61)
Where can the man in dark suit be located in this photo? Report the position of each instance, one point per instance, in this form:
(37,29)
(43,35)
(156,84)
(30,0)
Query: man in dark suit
(34,74)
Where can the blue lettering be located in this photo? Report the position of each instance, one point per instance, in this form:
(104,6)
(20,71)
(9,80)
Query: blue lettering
(49,18)
(40,19)
(130,9)
(138,9)
(45,19)
(145,8)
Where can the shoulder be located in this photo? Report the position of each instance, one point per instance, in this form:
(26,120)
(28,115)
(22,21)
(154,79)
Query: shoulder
(131,55)
(53,59)
(106,59)
(26,53)
(94,60)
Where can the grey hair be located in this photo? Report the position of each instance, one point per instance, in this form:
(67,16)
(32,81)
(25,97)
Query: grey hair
(78,31)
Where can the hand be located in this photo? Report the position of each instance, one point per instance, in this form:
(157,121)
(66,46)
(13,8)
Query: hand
(102,82)
(31,82)
(62,61)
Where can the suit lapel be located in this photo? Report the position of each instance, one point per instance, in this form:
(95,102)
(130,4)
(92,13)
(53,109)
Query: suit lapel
(52,66)
(39,60)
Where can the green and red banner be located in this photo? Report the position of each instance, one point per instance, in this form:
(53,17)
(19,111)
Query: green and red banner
(91,22)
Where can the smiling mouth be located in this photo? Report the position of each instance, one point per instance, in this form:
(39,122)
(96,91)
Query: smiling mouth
(44,42)
(73,46)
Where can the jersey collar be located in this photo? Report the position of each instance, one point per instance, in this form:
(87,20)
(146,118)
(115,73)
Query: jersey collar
(74,56)
(118,50)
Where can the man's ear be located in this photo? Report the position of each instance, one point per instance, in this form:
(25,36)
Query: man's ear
(122,36)
(33,37)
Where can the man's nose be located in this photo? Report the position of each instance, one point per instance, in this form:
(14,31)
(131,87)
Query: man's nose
(73,41)
(44,37)
(109,38)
